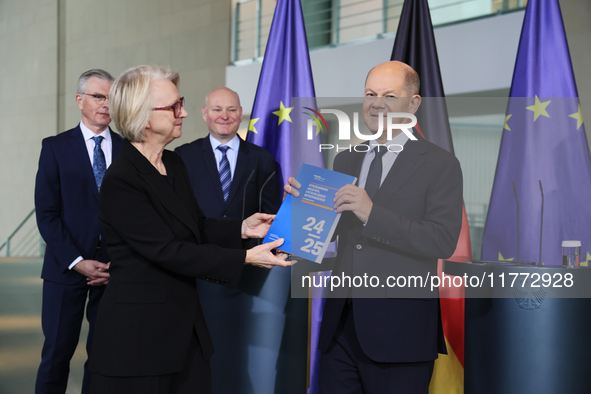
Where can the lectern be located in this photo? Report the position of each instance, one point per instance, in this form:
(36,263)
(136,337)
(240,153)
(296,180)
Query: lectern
(525,339)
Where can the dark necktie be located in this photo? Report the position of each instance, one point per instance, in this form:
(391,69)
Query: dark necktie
(225,178)
(99,165)
(374,175)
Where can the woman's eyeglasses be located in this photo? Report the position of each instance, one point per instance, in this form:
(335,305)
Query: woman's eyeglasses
(176,107)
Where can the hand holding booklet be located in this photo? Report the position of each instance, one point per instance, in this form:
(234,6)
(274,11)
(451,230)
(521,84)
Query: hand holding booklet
(307,222)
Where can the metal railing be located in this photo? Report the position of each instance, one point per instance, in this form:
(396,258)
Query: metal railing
(334,22)
(25,240)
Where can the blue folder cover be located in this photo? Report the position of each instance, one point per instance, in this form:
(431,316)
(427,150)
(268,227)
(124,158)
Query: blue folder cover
(307,222)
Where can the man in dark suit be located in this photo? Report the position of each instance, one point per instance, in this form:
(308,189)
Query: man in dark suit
(75,266)
(252,185)
(252,188)
(405,213)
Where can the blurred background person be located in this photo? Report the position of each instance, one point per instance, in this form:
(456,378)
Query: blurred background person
(151,334)
(75,267)
(249,187)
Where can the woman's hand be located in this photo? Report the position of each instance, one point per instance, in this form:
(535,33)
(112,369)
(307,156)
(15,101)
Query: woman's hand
(261,256)
(256,226)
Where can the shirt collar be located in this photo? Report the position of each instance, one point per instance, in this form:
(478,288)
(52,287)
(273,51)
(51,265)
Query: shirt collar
(88,134)
(399,139)
(233,144)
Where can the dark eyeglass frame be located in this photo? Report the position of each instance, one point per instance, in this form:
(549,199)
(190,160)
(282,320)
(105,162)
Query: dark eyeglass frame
(176,107)
(100,98)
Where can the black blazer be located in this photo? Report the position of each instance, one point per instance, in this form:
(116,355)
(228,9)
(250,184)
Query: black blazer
(159,241)
(66,204)
(415,220)
(244,192)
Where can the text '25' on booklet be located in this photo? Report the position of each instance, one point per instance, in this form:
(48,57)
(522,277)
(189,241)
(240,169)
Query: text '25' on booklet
(307,222)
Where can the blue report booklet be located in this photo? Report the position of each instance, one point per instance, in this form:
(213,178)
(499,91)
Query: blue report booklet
(307,222)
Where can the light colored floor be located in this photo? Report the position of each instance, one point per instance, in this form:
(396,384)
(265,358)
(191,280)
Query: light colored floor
(21,337)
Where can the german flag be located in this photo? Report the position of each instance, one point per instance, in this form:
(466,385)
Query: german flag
(415,46)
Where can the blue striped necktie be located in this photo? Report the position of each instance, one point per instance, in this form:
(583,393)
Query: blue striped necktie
(99,164)
(225,176)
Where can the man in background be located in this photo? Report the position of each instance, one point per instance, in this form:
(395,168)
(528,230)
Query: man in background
(75,266)
(231,179)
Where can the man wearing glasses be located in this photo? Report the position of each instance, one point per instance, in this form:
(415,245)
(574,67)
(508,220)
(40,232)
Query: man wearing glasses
(75,267)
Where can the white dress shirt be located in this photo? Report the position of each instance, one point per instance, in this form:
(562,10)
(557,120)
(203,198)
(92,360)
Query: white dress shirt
(106,146)
(388,158)
(106,143)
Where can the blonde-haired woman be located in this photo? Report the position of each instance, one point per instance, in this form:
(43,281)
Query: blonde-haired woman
(150,335)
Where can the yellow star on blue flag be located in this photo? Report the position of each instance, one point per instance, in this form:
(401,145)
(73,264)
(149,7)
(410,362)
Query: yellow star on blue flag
(251,125)
(501,258)
(586,262)
(578,116)
(539,108)
(283,113)
(506,126)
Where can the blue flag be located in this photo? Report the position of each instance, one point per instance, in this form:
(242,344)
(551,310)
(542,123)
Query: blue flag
(543,142)
(285,74)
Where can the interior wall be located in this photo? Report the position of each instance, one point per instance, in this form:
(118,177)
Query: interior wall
(28,108)
(46,44)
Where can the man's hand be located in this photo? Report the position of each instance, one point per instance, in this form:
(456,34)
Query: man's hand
(97,273)
(354,199)
(256,226)
(261,256)
(292,187)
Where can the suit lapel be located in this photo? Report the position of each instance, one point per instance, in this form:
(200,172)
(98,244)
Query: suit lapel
(80,154)
(356,163)
(212,168)
(353,168)
(165,193)
(406,164)
(352,165)
(241,164)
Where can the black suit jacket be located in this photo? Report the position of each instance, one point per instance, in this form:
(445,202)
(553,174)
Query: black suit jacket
(415,220)
(66,204)
(159,241)
(253,189)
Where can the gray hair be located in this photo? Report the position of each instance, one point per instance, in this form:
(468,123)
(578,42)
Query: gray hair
(131,102)
(86,75)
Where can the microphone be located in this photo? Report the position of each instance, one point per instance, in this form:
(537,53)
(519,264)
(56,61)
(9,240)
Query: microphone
(517,201)
(261,196)
(541,225)
(263,188)
(244,194)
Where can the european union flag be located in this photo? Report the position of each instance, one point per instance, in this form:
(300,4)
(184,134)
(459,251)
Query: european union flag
(543,140)
(279,364)
(286,73)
